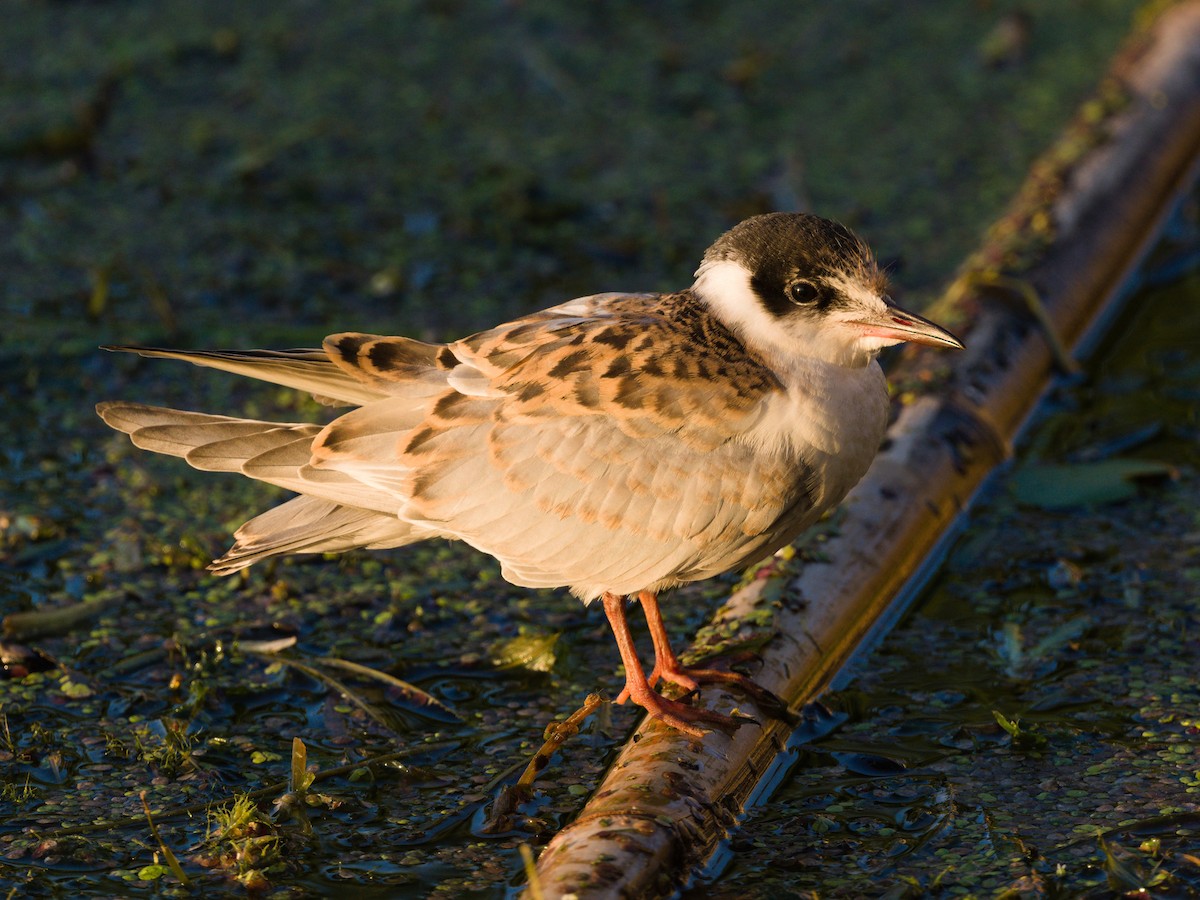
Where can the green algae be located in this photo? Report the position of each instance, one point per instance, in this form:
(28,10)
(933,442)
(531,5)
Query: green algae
(435,167)
(218,173)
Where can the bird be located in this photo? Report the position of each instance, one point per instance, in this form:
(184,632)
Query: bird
(618,445)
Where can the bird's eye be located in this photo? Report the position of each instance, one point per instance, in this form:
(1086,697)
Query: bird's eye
(803,293)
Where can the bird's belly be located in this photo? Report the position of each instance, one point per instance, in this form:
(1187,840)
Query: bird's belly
(590,507)
(665,518)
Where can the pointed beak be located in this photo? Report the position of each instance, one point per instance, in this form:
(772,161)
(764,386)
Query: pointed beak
(895,324)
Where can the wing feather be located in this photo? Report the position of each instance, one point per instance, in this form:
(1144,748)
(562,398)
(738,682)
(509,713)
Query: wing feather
(305,370)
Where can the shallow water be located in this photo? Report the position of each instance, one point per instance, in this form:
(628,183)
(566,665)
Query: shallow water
(278,177)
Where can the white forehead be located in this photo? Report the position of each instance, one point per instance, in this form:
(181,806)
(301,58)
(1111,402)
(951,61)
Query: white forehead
(856,290)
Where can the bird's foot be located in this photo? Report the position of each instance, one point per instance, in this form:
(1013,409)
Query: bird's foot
(690,680)
(691,720)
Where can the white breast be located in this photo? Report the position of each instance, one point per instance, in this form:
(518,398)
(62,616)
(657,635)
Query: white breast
(831,417)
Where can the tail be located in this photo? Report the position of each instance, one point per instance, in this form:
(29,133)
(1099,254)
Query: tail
(311,525)
(214,443)
(326,518)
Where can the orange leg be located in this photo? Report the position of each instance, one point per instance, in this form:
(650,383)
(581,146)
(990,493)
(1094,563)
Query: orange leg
(668,668)
(638,687)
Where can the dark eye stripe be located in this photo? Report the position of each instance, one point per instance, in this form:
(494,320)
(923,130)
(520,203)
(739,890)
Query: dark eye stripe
(769,288)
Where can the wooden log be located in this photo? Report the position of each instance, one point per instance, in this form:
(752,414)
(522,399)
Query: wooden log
(1072,237)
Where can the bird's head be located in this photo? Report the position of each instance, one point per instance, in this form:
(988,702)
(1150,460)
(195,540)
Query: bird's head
(791,284)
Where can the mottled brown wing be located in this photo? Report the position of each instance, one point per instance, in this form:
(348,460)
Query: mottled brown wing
(386,361)
(596,445)
(652,364)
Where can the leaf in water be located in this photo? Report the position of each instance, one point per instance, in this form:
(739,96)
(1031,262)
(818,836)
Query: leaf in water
(1010,646)
(301,778)
(1023,738)
(534,652)
(75,690)
(273,645)
(1059,638)
(870,764)
(1122,877)
(1056,486)
(1020,659)
(1009,725)
(421,701)
(148,873)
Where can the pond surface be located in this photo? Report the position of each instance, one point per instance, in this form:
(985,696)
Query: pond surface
(207,174)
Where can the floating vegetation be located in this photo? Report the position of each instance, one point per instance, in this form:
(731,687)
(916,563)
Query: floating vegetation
(180,172)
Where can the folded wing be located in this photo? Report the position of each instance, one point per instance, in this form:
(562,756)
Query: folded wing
(597,445)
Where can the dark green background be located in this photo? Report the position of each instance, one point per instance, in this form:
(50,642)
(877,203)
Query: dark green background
(261,174)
